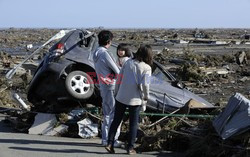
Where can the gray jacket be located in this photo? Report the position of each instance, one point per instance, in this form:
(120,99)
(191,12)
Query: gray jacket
(105,66)
(127,90)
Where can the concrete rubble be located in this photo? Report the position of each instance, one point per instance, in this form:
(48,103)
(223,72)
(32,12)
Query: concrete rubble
(43,124)
(57,131)
(46,124)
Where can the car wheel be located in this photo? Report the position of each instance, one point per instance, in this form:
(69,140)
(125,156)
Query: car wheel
(79,85)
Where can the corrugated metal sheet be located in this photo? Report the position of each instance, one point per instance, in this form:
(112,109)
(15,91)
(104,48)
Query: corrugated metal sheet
(235,119)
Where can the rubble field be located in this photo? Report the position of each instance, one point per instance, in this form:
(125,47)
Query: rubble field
(213,63)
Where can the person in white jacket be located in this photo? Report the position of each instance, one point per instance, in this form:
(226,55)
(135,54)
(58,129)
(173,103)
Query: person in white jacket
(130,91)
(106,70)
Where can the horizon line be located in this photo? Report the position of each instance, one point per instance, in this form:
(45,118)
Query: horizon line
(148,28)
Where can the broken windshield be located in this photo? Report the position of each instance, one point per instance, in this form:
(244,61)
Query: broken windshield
(159,74)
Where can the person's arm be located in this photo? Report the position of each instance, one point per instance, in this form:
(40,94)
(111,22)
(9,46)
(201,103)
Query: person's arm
(110,62)
(145,83)
(119,80)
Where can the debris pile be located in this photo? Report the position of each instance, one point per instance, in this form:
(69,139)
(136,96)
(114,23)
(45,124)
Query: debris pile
(215,72)
(194,137)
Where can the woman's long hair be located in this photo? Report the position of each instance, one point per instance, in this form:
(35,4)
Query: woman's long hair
(145,54)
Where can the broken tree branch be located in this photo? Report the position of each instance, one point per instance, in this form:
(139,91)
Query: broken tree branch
(162,119)
(99,118)
(185,134)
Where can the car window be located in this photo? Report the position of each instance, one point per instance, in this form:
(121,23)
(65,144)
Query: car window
(158,73)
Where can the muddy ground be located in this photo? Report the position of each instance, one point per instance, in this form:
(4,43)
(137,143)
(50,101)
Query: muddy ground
(194,63)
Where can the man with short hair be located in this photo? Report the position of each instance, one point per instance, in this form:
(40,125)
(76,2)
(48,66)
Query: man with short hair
(106,70)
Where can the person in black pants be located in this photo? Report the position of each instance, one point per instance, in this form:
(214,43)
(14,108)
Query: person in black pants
(131,91)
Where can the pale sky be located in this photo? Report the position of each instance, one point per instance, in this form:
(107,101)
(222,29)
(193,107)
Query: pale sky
(125,14)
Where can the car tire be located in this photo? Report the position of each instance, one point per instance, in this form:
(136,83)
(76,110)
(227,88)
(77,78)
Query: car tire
(79,85)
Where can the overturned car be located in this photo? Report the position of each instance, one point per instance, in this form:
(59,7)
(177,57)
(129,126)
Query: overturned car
(64,74)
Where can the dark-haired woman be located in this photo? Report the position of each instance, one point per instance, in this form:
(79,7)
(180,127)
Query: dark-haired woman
(123,53)
(129,90)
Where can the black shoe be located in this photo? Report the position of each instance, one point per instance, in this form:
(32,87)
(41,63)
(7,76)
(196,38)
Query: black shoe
(131,151)
(110,149)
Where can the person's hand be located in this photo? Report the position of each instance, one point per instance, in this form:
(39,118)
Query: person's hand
(143,108)
(143,105)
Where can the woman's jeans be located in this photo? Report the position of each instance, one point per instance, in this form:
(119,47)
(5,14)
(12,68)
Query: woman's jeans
(133,122)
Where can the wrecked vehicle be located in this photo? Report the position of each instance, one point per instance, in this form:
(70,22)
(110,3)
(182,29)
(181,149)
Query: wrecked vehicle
(64,74)
(169,94)
(234,120)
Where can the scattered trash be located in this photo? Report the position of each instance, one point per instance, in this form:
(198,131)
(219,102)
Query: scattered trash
(221,42)
(200,34)
(241,58)
(87,129)
(29,46)
(76,114)
(22,103)
(244,79)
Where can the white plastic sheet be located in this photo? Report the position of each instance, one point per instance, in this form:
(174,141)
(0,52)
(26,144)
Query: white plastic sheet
(87,129)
